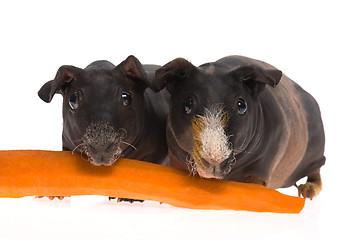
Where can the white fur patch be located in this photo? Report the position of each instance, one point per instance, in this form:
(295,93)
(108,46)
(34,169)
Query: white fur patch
(215,146)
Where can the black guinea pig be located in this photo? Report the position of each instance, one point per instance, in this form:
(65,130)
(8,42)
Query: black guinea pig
(110,112)
(241,119)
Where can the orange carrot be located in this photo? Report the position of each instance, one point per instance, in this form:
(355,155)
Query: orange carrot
(50,173)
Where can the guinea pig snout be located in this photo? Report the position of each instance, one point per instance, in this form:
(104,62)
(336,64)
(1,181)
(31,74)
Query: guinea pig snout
(101,155)
(102,143)
(217,171)
(211,146)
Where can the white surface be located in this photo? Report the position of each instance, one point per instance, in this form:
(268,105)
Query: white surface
(316,43)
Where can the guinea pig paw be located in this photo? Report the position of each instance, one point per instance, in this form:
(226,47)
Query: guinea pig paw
(52,197)
(308,190)
(128,200)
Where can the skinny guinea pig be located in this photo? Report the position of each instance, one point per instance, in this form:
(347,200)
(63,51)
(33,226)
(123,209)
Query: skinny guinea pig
(241,119)
(110,111)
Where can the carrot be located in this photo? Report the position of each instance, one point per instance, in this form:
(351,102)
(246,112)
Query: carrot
(51,173)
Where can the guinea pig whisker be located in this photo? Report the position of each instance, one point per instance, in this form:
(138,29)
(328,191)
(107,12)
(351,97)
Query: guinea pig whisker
(129,144)
(231,163)
(88,158)
(191,165)
(124,136)
(79,146)
(82,147)
(241,149)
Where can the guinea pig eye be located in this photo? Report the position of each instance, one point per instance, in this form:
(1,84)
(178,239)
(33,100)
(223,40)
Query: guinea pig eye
(187,105)
(127,98)
(74,101)
(242,106)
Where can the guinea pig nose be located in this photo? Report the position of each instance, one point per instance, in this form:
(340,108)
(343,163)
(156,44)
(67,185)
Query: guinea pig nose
(101,147)
(224,165)
(109,146)
(100,159)
(93,148)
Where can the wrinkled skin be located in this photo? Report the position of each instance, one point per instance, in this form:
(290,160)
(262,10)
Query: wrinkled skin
(109,112)
(272,133)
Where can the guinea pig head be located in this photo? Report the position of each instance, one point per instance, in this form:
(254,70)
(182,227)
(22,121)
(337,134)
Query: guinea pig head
(103,107)
(213,114)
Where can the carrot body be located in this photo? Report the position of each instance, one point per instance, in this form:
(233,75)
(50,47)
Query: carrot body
(51,173)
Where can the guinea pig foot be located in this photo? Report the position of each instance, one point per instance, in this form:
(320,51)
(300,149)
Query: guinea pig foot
(125,199)
(309,190)
(128,200)
(52,197)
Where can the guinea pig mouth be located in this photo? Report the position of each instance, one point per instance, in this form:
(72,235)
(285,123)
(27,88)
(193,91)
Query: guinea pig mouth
(207,170)
(102,144)
(106,157)
(211,146)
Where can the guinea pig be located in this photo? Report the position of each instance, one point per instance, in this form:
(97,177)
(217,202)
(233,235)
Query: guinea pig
(110,112)
(241,119)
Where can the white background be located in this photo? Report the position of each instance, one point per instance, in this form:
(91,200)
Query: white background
(315,43)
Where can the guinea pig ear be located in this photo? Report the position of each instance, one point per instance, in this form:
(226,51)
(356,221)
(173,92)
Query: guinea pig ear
(256,78)
(64,75)
(133,70)
(172,73)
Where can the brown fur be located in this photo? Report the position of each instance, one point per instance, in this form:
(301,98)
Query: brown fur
(293,145)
